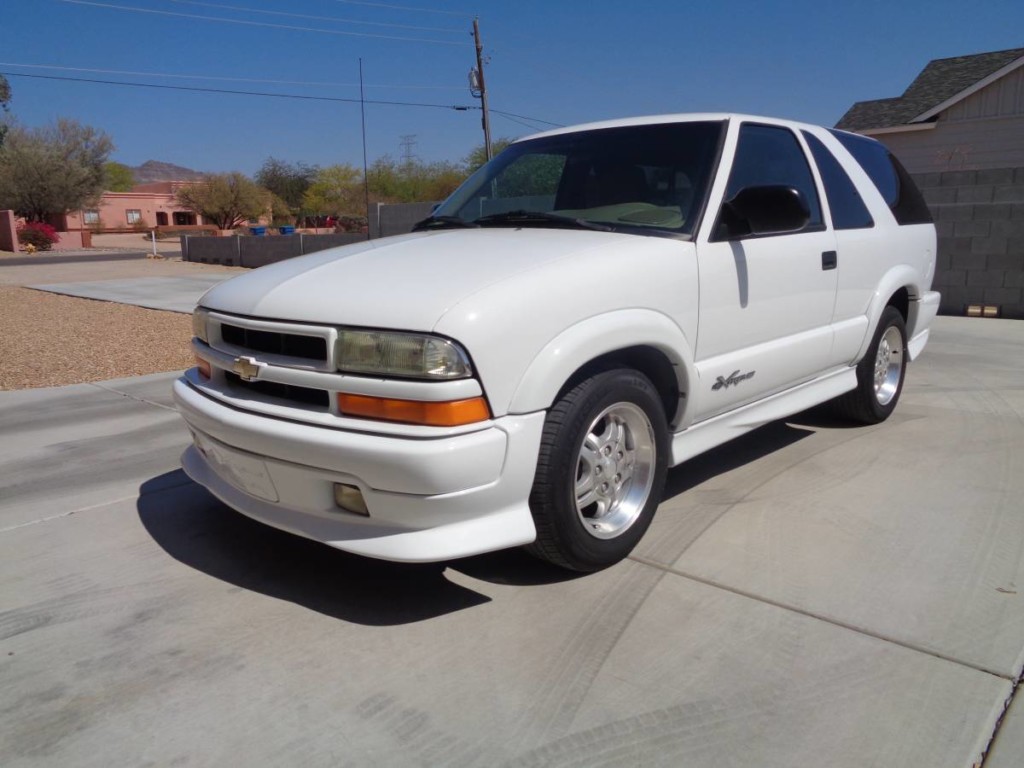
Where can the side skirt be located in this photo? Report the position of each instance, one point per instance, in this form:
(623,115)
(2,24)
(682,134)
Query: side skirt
(721,429)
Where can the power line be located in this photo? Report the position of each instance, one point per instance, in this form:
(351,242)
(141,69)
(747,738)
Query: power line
(263,23)
(301,97)
(224,79)
(315,18)
(519,122)
(457,107)
(513,115)
(404,8)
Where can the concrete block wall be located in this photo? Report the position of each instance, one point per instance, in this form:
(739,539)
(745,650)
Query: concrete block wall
(979,219)
(259,251)
(398,218)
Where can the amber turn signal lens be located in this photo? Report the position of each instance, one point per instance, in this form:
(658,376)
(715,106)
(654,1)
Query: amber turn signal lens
(203,366)
(452,413)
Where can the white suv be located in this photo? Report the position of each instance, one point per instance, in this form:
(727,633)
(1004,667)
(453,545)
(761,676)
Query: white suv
(592,306)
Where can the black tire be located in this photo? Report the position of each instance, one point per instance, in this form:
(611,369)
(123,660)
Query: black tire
(868,404)
(624,407)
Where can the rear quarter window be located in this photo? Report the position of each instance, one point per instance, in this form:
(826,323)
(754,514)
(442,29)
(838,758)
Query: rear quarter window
(889,176)
(845,202)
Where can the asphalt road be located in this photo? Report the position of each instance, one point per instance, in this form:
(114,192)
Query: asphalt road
(812,594)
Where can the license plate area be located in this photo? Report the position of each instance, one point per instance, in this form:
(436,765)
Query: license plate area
(246,472)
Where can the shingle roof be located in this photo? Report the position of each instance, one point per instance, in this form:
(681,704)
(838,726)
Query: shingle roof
(940,80)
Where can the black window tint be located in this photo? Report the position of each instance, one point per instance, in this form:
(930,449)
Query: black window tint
(767,155)
(641,178)
(893,182)
(911,207)
(848,209)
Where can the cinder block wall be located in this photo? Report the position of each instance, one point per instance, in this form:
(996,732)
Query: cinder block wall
(397,218)
(979,217)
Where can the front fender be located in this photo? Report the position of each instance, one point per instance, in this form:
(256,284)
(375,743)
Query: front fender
(596,336)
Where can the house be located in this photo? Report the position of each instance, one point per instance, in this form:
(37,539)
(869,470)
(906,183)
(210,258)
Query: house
(959,130)
(145,206)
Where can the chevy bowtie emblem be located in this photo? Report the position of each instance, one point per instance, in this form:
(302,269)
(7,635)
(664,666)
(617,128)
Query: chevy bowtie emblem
(246,368)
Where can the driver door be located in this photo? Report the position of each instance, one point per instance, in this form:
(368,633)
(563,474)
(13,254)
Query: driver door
(766,301)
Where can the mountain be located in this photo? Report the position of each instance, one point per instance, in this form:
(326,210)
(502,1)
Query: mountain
(154,170)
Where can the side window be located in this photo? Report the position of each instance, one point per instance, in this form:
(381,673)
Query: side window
(769,155)
(893,182)
(848,209)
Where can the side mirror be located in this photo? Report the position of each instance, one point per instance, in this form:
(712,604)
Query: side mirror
(768,210)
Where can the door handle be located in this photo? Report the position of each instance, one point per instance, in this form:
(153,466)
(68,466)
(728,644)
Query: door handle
(829,260)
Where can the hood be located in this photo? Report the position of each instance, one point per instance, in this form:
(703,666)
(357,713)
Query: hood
(406,282)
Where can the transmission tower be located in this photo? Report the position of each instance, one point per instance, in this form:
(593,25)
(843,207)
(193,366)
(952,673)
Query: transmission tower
(408,144)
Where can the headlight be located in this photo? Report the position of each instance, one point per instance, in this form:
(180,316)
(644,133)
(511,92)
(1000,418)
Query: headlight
(199,320)
(386,353)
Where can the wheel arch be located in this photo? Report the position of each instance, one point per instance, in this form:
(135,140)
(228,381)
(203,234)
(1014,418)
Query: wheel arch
(898,288)
(644,340)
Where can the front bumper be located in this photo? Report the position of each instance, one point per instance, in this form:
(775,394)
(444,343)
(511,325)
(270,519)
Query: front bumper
(429,499)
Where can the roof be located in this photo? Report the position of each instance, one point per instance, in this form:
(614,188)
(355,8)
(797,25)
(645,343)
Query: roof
(940,81)
(683,117)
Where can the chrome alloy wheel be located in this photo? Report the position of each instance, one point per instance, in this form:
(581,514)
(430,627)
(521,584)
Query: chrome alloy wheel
(888,365)
(615,470)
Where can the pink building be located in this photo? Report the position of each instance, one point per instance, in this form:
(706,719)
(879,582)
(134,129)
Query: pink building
(144,207)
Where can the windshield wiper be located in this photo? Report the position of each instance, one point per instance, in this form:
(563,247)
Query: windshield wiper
(540,217)
(442,222)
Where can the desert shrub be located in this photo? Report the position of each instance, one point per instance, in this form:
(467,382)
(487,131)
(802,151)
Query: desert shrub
(348,223)
(41,236)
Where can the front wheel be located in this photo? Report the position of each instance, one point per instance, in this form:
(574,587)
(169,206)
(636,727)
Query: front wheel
(880,373)
(600,472)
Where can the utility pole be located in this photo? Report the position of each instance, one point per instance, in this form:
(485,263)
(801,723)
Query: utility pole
(480,85)
(366,180)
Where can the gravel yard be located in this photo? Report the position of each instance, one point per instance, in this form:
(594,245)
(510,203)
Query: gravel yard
(50,340)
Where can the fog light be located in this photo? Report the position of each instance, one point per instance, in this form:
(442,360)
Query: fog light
(350,498)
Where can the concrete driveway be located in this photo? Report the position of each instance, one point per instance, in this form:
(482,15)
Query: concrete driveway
(812,594)
(173,294)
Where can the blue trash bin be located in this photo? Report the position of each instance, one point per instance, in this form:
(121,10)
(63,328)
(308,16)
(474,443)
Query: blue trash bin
(258,231)
(286,230)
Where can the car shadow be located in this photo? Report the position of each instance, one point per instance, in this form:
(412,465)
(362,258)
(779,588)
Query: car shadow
(198,530)
(824,417)
(737,452)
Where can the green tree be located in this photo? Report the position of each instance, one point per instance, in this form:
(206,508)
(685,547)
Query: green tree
(412,182)
(5,99)
(117,177)
(53,169)
(478,156)
(289,181)
(280,211)
(336,190)
(226,199)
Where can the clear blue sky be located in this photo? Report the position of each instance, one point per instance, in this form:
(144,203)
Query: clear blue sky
(563,62)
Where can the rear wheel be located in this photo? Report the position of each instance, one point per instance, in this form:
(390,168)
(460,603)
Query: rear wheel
(880,373)
(600,472)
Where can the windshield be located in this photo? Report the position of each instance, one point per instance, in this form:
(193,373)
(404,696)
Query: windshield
(633,178)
